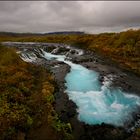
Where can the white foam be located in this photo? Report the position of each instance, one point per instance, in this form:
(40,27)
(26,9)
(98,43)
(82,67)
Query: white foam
(28,57)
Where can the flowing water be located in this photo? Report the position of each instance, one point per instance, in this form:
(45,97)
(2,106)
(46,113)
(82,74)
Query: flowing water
(96,102)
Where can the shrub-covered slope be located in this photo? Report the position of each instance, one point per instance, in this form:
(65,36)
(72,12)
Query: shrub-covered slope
(26,100)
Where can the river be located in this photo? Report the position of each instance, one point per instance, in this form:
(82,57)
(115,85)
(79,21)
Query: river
(97,102)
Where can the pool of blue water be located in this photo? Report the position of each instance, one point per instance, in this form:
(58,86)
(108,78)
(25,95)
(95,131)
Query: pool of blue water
(96,102)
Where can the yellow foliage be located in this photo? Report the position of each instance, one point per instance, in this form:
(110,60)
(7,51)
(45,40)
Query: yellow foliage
(20,93)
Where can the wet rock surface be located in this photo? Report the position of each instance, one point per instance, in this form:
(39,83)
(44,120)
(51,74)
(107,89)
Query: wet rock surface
(65,107)
(126,81)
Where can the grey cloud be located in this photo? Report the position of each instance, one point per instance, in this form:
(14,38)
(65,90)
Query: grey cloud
(90,16)
(120,12)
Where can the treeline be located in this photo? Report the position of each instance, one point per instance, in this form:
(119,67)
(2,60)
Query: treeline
(123,48)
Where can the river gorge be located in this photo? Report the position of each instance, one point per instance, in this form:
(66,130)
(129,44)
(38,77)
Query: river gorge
(92,94)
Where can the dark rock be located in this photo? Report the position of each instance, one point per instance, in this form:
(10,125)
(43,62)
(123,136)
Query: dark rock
(49,49)
(60,50)
(72,51)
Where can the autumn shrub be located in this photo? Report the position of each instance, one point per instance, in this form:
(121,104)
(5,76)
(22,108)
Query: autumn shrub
(18,87)
(26,94)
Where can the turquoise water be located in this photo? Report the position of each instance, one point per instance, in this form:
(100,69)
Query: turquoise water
(96,102)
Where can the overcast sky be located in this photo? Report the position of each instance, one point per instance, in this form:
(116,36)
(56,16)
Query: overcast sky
(49,16)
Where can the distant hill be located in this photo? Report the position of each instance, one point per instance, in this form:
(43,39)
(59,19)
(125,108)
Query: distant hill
(65,33)
(13,34)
